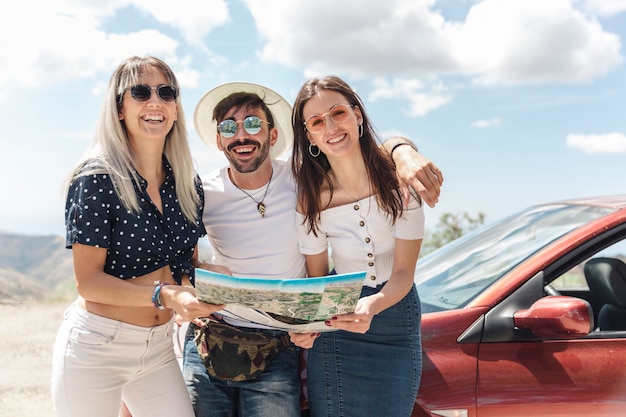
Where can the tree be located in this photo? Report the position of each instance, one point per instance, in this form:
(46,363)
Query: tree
(451,226)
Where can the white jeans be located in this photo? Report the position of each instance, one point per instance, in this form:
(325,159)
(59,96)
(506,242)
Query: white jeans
(99,362)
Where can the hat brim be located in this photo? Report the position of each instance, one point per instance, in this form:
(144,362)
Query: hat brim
(206,127)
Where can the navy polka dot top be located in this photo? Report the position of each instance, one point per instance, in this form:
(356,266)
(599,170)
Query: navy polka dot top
(136,243)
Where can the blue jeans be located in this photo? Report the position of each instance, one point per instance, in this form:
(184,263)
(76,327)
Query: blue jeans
(275,393)
(372,374)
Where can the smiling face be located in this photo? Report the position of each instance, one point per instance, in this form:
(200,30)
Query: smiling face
(334,139)
(151,119)
(246,152)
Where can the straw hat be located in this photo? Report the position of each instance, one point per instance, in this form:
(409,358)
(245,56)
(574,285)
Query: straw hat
(206,127)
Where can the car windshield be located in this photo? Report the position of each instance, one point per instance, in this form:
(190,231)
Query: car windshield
(451,276)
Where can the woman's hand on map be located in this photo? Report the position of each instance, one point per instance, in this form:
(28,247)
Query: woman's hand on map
(357,322)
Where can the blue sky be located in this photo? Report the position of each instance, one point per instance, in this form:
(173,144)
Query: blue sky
(517,101)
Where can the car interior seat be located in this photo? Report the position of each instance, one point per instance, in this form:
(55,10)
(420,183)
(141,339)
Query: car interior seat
(606,278)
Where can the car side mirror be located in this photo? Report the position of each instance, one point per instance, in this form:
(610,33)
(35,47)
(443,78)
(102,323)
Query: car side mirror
(556,317)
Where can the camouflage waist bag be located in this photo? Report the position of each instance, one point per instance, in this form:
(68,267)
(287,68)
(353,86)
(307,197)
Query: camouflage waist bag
(232,354)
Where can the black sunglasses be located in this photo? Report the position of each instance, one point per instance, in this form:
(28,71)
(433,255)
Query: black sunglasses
(142,92)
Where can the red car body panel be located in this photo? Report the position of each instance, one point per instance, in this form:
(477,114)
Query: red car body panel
(573,375)
(581,375)
(440,383)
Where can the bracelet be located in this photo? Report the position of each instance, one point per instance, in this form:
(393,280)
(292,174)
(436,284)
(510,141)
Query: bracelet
(156,295)
(400,144)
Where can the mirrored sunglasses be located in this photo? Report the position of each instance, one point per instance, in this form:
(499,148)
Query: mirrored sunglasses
(251,124)
(339,113)
(142,92)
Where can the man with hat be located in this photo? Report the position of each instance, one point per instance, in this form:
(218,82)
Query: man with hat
(249,215)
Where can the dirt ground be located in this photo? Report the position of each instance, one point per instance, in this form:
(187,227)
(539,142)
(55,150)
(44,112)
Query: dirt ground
(27,335)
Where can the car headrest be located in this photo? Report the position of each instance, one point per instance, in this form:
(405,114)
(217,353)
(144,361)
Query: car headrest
(606,278)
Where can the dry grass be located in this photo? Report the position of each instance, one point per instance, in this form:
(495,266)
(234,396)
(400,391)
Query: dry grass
(27,336)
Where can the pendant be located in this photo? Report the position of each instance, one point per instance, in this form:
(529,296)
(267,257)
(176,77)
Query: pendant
(261,207)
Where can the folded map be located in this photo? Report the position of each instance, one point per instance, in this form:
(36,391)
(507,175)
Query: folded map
(296,304)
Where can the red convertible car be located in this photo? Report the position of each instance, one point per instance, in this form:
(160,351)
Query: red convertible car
(527,316)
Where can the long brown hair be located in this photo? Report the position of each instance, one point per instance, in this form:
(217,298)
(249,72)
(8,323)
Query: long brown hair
(312,173)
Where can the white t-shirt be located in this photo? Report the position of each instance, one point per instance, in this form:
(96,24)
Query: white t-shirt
(242,240)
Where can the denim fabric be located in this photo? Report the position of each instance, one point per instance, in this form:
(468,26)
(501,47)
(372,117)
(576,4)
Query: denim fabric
(275,393)
(100,362)
(373,374)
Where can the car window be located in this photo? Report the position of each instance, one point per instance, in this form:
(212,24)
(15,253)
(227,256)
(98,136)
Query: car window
(574,279)
(451,276)
(617,250)
(601,280)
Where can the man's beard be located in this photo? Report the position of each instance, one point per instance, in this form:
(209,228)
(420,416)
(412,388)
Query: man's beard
(254,164)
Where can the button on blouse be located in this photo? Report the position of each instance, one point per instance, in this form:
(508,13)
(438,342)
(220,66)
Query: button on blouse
(362,237)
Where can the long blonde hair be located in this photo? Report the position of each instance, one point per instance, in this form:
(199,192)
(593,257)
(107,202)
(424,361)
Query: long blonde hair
(110,152)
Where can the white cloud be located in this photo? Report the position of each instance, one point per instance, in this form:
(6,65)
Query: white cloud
(481,124)
(598,143)
(512,42)
(399,37)
(51,41)
(500,42)
(193,18)
(535,41)
(420,101)
(606,8)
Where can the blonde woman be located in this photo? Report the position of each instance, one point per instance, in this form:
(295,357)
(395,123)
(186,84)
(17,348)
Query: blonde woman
(133,219)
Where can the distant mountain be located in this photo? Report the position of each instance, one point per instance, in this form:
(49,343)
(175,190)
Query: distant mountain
(39,268)
(34,268)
